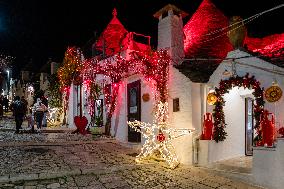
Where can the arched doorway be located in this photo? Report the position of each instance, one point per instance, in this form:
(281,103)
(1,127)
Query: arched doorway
(219,133)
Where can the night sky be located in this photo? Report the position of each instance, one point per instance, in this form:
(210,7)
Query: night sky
(37,30)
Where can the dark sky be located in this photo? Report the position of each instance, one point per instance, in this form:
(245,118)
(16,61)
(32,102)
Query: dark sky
(39,29)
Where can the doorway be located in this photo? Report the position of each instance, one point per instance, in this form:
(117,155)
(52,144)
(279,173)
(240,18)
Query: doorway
(249,122)
(134,109)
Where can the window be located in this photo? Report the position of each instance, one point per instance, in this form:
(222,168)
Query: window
(176,105)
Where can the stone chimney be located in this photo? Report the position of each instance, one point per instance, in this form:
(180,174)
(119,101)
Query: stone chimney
(170,31)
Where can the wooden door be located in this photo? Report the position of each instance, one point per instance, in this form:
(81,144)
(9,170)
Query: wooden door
(134,109)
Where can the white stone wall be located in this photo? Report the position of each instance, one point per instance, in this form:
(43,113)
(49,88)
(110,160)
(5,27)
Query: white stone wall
(268,166)
(189,94)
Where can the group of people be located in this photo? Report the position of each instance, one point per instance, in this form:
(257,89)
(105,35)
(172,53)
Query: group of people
(35,115)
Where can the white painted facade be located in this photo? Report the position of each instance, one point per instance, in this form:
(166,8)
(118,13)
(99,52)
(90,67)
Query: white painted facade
(265,73)
(268,166)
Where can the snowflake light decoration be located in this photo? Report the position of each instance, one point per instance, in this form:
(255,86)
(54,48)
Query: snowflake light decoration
(159,137)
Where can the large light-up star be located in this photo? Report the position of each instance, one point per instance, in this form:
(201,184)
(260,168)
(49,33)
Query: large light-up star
(159,137)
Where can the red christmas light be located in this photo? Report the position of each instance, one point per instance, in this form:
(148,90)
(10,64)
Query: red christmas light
(206,39)
(206,19)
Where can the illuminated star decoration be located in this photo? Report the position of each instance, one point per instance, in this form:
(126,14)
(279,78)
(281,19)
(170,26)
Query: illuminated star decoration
(159,137)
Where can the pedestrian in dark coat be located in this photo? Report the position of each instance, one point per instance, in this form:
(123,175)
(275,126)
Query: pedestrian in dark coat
(18,109)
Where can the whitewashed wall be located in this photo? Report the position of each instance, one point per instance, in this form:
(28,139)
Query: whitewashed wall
(189,94)
(234,108)
(268,166)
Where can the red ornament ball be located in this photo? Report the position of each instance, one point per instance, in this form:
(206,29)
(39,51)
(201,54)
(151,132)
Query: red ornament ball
(161,137)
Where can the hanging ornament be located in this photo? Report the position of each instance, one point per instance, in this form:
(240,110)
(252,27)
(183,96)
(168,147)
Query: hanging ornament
(161,137)
(211,98)
(146,97)
(273,93)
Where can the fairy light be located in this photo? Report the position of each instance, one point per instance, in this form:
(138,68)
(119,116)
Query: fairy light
(53,115)
(159,137)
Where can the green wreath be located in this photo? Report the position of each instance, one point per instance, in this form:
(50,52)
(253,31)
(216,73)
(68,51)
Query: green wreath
(219,133)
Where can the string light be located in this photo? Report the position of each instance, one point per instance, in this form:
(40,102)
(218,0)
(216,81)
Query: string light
(159,136)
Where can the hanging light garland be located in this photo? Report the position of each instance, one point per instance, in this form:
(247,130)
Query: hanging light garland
(153,65)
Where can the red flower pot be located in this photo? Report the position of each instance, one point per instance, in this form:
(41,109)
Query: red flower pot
(81,123)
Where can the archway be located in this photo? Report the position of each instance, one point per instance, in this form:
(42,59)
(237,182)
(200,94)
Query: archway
(219,133)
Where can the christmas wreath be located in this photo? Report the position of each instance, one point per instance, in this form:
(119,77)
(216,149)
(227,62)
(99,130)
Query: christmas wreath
(219,133)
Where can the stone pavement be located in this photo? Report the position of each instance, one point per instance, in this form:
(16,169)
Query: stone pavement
(64,160)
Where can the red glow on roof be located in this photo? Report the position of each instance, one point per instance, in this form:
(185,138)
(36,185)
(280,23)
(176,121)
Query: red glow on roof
(206,19)
(270,46)
(112,38)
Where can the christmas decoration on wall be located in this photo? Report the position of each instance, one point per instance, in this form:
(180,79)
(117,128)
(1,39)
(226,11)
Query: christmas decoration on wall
(268,127)
(153,65)
(219,133)
(69,73)
(207,131)
(273,93)
(211,98)
(159,137)
(146,97)
(71,69)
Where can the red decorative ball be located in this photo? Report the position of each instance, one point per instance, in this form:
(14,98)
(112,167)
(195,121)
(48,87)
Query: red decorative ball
(161,137)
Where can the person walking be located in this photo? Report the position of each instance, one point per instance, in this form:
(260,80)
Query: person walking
(38,110)
(25,102)
(45,102)
(18,109)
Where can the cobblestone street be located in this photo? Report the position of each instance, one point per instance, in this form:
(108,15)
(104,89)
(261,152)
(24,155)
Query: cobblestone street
(64,160)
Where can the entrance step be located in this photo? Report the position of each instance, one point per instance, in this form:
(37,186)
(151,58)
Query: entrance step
(236,165)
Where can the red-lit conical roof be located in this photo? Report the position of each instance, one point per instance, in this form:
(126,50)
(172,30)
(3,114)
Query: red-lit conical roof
(271,46)
(112,38)
(198,42)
